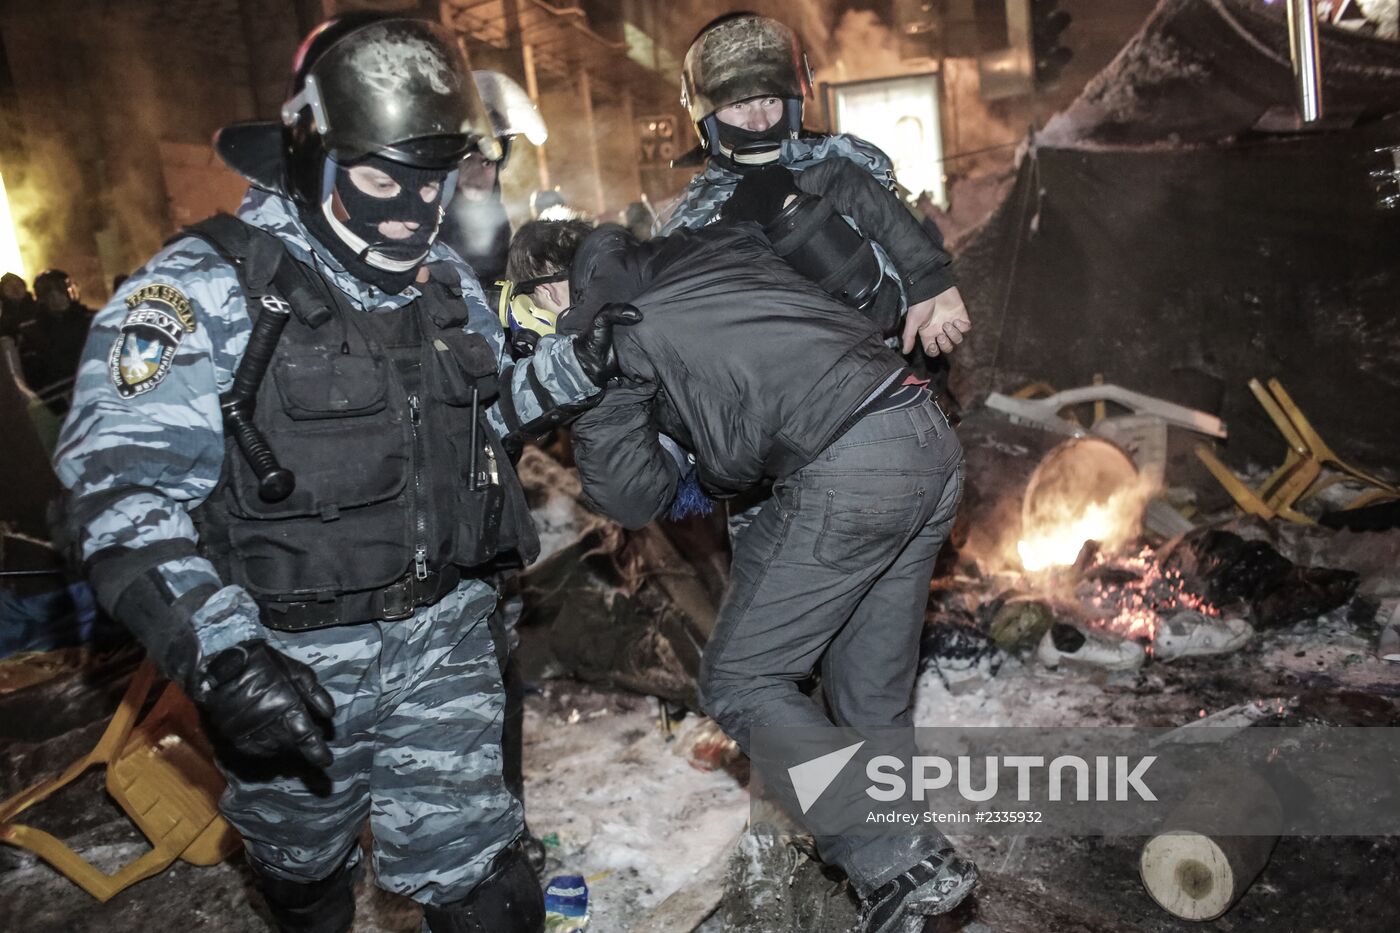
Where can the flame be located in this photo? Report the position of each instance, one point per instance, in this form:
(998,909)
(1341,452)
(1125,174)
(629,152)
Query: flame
(1056,540)
(10,259)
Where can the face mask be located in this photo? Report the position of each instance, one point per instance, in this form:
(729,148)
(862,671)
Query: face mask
(752,147)
(362,240)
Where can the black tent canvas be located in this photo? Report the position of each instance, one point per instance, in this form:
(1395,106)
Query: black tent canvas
(1156,236)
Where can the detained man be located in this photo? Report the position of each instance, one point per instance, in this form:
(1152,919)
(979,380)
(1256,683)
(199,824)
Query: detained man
(762,377)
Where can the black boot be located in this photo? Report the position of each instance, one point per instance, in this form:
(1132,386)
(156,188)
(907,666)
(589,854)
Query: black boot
(533,850)
(325,906)
(933,886)
(508,900)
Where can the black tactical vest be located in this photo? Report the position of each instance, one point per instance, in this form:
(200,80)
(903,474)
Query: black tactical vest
(372,412)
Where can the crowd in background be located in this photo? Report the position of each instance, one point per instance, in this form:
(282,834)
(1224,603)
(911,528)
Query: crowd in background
(48,328)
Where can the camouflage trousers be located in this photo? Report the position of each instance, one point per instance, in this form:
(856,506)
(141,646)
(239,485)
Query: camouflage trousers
(417,752)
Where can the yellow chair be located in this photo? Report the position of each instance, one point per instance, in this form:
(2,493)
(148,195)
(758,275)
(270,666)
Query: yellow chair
(161,772)
(1301,475)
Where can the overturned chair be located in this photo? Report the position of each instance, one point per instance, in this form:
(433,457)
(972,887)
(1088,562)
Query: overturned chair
(160,771)
(1310,466)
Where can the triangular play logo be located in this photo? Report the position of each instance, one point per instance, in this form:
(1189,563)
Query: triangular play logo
(811,778)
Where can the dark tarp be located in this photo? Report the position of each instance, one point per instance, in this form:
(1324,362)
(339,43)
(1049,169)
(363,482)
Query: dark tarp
(1164,243)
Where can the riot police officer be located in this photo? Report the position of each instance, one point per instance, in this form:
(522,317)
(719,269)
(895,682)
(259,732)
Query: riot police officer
(476,225)
(743,82)
(287,476)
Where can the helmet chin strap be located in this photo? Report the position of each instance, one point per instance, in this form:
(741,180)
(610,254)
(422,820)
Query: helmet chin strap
(753,148)
(753,155)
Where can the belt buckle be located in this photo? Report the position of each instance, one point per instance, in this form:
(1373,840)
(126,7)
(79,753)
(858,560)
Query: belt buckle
(398,600)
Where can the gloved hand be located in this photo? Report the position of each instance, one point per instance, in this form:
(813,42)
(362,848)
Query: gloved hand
(760,196)
(594,347)
(266,704)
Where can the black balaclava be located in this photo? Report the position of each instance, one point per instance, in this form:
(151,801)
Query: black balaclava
(367,254)
(745,150)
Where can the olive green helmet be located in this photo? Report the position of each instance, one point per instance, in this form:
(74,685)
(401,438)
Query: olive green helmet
(740,56)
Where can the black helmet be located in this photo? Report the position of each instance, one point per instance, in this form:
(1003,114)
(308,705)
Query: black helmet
(740,56)
(365,84)
(54,281)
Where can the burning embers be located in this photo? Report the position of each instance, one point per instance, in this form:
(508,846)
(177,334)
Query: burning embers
(1114,611)
(1061,564)
(1129,595)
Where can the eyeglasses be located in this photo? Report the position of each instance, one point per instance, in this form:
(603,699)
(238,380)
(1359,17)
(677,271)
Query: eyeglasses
(526,286)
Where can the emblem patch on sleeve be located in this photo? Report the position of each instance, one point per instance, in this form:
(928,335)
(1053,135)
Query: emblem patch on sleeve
(156,324)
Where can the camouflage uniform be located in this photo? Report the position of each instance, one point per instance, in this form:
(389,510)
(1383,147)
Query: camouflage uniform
(419,701)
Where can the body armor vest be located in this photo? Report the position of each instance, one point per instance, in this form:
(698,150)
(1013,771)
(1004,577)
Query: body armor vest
(380,417)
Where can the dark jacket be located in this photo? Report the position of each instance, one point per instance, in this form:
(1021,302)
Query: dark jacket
(923,264)
(51,345)
(746,363)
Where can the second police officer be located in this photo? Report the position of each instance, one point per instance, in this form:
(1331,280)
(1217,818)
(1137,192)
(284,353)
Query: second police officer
(743,82)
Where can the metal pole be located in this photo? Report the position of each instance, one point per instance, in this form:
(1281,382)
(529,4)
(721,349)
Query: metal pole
(1307,64)
(585,93)
(532,87)
(630,116)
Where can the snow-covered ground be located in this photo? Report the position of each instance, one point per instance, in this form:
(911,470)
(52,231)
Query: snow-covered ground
(633,816)
(630,813)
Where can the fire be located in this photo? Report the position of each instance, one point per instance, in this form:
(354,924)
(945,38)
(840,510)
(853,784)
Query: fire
(1057,536)
(10,259)
(1086,489)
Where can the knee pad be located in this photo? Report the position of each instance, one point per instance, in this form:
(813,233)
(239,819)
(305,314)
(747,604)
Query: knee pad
(325,906)
(508,900)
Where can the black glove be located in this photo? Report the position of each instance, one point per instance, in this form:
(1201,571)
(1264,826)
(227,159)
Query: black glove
(594,347)
(266,704)
(760,195)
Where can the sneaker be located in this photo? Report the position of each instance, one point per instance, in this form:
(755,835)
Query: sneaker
(931,887)
(1191,634)
(1076,647)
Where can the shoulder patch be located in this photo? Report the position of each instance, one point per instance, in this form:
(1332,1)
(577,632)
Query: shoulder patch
(169,296)
(155,326)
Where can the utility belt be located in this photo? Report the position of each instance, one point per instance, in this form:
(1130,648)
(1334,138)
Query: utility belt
(393,603)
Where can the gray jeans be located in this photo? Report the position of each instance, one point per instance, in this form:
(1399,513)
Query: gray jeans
(834,571)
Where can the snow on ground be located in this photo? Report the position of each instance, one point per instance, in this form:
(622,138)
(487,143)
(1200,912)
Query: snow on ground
(1020,694)
(635,817)
(630,813)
